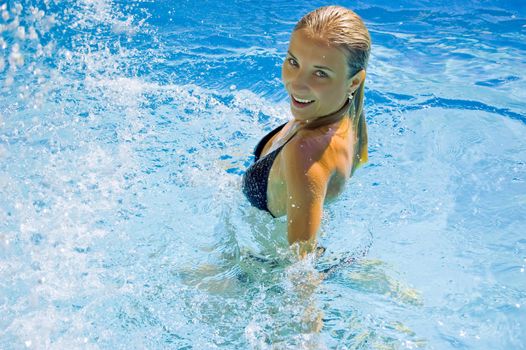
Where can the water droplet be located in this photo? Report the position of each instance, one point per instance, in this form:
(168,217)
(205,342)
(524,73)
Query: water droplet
(16,58)
(21,33)
(9,80)
(17,9)
(33,34)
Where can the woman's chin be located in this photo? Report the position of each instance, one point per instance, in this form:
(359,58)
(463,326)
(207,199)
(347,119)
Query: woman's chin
(300,118)
(300,115)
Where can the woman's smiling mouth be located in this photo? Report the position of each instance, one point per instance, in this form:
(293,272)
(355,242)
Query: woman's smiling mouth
(299,102)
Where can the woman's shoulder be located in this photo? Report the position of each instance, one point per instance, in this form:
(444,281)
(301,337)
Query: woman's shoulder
(308,142)
(326,138)
(309,147)
(329,146)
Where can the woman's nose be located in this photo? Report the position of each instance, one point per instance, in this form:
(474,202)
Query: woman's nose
(299,82)
(299,88)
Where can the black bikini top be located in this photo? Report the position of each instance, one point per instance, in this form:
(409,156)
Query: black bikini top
(255,179)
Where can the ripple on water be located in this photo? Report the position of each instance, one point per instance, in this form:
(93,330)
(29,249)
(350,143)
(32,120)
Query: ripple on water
(121,146)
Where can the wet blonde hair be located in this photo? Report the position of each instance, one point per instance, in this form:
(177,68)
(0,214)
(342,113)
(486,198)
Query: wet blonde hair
(344,29)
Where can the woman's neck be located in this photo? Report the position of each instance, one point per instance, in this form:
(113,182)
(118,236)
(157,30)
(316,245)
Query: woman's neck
(328,119)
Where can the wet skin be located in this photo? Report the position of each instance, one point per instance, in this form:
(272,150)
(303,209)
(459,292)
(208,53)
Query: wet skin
(314,165)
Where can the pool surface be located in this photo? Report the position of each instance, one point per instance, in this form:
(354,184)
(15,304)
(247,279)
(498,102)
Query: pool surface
(125,128)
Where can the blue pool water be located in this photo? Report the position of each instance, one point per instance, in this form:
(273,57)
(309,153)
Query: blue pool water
(125,127)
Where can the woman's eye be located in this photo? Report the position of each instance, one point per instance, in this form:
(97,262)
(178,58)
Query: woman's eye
(292,62)
(321,74)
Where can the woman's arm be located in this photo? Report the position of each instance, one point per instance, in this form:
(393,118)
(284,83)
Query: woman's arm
(306,177)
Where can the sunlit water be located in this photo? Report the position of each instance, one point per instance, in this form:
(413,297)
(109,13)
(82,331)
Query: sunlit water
(124,131)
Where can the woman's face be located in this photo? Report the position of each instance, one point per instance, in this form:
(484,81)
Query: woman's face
(315,75)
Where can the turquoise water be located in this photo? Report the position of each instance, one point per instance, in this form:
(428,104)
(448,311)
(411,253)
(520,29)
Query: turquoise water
(125,128)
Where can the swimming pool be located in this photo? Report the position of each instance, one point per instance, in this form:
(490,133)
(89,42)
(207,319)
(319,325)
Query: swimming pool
(124,131)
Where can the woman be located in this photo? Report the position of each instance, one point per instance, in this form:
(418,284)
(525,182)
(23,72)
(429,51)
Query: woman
(305,162)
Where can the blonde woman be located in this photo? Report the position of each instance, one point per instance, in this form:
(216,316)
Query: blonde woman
(306,162)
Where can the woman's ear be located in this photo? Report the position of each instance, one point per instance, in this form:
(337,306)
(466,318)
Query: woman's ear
(355,81)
